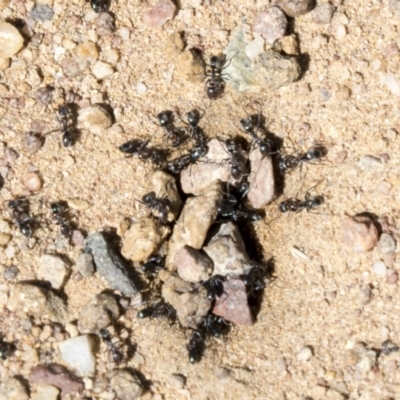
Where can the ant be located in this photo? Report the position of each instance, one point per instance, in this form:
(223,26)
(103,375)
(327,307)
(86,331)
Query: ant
(180,163)
(19,211)
(144,152)
(296,205)
(98,6)
(215,85)
(68,130)
(198,136)
(178,136)
(159,205)
(196,346)
(289,161)
(158,310)
(214,286)
(153,265)
(116,353)
(254,279)
(58,209)
(238,161)
(248,125)
(215,326)
(6,349)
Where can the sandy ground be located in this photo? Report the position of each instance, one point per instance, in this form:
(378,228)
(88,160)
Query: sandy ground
(313,302)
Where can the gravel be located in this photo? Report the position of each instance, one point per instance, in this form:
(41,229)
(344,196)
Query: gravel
(161,13)
(42,12)
(11,41)
(110,264)
(126,385)
(271,24)
(85,265)
(305,354)
(54,270)
(10,273)
(295,8)
(13,389)
(32,181)
(379,269)
(323,13)
(192,265)
(386,244)
(95,119)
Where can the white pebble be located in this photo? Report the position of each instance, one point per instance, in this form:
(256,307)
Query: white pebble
(255,47)
(379,269)
(10,252)
(78,354)
(392,84)
(341,32)
(141,88)
(11,40)
(305,354)
(54,270)
(101,70)
(95,119)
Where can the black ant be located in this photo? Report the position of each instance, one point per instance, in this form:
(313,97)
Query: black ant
(196,346)
(144,152)
(99,6)
(296,205)
(19,211)
(229,209)
(214,286)
(238,162)
(289,161)
(116,353)
(158,205)
(153,265)
(178,164)
(65,118)
(58,209)
(177,136)
(215,85)
(6,349)
(254,279)
(158,310)
(249,126)
(198,135)
(215,326)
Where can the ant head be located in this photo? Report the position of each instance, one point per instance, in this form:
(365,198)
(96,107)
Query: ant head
(68,139)
(164,118)
(317,201)
(282,207)
(265,148)
(247,124)
(215,62)
(63,110)
(26,230)
(105,334)
(56,208)
(149,197)
(131,146)
(199,152)
(98,5)
(315,153)
(193,117)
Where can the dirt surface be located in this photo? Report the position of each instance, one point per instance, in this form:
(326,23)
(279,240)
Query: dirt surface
(313,302)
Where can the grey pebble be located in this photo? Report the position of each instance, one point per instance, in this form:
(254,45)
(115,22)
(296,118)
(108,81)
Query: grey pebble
(323,13)
(227,251)
(85,265)
(110,264)
(98,313)
(42,13)
(126,385)
(10,273)
(386,244)
(271,24)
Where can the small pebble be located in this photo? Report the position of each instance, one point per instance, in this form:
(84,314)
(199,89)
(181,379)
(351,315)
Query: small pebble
(4,238)
(10,273)
(192,265)
(11,41)
(379,269)
(370,164)
(295,8)
(323,13)
(101,70)
(78,353)
(31,143)
(105,24)
(141,88)
(95,119)
(305,354)
(77,238)
(365,295)
(157,16)
(32,181)
(46,392)
(42,13)
(74,66)
(271,24)
(54,270)
(85,265)
(126,385)
(392,83)
(177,381)
(386,244)
(392,278)
(359,233)
(44,95)
(13,389)
(88,52)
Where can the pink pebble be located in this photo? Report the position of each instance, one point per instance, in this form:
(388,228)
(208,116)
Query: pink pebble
(157,16)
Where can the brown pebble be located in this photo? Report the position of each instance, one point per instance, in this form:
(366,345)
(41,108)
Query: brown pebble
(77,238)
(392,279)
(157,16)
(295,8)
(233,305)
(32,181)
(359,233)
